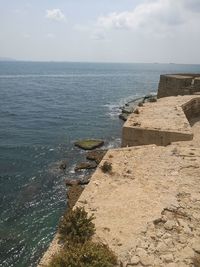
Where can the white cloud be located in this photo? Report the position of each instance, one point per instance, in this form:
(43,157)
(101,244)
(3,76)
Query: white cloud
(152,16)
(55,14)
(193,5)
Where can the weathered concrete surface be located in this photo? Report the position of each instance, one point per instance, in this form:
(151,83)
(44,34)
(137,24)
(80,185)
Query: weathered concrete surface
(146,181)
(178,84)
(162,122)
(147,210)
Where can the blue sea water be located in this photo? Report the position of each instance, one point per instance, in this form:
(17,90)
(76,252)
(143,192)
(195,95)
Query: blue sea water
(44,108)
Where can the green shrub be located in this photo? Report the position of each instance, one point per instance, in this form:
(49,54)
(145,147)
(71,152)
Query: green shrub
(88,254)
(57,260)
(75,226)
(106,167)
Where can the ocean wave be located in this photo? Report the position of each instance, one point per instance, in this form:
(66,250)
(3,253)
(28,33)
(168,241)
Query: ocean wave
(113,110)
(4,113)
(71,169)
(115,143)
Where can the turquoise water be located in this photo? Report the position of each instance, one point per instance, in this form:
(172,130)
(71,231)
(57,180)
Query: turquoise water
(44,108)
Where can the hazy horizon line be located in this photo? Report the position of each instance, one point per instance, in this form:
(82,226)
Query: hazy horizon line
(7,59)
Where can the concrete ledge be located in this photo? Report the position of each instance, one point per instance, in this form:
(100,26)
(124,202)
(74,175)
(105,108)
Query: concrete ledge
(162,122)
(192,108)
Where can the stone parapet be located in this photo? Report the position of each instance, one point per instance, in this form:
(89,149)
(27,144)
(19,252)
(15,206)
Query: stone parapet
(162,122)
(178,84)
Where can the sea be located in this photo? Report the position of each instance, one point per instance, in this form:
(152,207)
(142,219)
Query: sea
(44,108)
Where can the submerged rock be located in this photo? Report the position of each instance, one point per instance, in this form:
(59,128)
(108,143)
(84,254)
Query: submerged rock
(123,116)
(130,107)
(57,168)
(89,144)
(150,98)
(63,165)
(96,155)
(85,165)
(81,181)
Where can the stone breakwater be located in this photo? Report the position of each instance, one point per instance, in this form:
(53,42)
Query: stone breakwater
(147,208)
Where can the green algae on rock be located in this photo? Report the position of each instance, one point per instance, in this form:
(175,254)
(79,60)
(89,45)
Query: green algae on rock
(89,144)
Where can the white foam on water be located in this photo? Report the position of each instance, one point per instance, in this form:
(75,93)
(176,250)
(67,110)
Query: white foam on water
(116,143)
(113,110)
(129,99)
(71,170)
(153,93)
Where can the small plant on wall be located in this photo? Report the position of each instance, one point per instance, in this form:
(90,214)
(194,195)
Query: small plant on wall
(106,167)
(76,226)
(88,254)
(76,229)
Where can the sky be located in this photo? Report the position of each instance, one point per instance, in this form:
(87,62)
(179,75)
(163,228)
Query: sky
(162,31)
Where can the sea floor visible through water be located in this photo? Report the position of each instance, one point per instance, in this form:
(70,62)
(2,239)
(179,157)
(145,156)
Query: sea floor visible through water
(44,108)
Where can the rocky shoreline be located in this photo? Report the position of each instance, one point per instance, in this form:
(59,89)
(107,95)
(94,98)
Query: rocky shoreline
(132,105)
(93,156)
